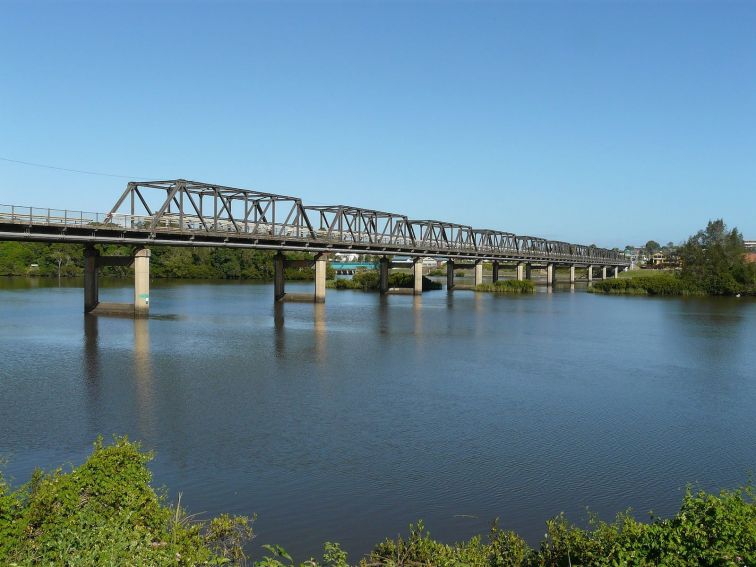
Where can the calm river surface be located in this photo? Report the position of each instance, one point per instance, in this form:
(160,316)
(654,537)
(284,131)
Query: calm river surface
(349,420)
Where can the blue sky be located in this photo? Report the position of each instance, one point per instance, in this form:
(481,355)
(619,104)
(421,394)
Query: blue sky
(611,123)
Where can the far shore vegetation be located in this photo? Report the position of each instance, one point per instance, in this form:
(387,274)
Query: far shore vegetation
(711,262)
(106,512)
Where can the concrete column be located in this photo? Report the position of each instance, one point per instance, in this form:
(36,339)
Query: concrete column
(616,272)
(528,272)
(478,272)
(449,275)
(520,271)
(603,272)
(321,264)
(91,285)
(383,270)
(572,274)
(279,265)
(550,272)
(418,269)
(590,273)
(495,272)
(142,283)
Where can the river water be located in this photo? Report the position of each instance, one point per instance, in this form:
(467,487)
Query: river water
(347,421)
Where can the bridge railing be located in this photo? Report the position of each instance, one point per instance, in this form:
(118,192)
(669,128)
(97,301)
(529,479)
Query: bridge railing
(60,217)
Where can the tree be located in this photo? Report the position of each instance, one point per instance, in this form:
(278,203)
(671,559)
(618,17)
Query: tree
(714,259)
(652,246)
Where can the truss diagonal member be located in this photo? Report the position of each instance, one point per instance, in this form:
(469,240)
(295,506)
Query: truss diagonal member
(177,185)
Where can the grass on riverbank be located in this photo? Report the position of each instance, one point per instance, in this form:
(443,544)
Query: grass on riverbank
(507,286)
(105,512)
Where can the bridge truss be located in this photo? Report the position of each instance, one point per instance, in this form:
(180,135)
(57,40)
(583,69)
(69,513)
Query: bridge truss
(189,213)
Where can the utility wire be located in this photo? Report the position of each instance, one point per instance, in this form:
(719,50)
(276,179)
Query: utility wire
(70,170)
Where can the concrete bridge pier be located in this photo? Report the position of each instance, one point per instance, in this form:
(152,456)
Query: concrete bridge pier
(528,271)
(603,272)
(91,285)
(280,263)
(590,273)
(495,271)
(616,272)
(449,275)
(279,279)
(418,270)
(93,261)
(383,271)
(550,274)
(321,265)
(520,269)
(478,272)
(572,274)
(142,283)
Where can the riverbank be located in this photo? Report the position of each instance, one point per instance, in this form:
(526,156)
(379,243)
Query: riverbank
(106,511)
(645,283)
(666,283)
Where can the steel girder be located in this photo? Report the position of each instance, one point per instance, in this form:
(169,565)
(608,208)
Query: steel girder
(431,234)
(345,224)
(495,241)
(183,205)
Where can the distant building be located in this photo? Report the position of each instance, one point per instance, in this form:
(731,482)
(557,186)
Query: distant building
(658,259)
(750,251)
(636,256)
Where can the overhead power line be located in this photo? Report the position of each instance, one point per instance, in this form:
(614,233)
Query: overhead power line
(70,170)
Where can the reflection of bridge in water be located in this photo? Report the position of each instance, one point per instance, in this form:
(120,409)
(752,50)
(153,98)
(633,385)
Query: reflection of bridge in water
(189,213)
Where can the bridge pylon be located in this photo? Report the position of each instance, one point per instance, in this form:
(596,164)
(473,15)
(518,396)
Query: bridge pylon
(93,261)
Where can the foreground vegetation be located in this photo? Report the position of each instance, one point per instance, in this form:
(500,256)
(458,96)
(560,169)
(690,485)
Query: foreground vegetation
(507,286)
(105,512)
(713,263)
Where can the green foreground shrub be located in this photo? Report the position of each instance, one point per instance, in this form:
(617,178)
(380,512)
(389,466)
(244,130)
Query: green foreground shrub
(106,513)
(507,286)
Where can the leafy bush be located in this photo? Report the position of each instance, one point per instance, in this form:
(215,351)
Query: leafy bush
(714,258)
(106,513)
(507,286)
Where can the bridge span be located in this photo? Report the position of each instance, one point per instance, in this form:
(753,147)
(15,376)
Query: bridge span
(190,213)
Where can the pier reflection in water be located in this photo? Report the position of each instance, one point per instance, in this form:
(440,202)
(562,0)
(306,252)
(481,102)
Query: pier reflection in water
(347,420)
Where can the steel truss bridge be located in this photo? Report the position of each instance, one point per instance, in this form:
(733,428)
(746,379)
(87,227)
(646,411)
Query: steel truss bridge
(190,213)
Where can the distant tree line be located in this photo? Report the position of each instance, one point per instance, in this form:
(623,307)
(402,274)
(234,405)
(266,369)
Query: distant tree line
(67,260)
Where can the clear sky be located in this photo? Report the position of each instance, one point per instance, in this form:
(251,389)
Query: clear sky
(607,122)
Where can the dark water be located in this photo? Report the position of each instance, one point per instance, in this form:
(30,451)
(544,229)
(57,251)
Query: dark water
(347,421)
